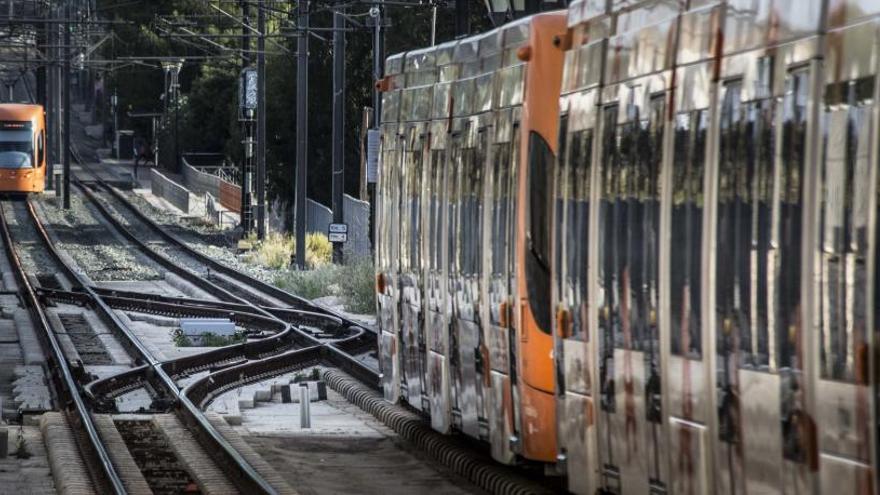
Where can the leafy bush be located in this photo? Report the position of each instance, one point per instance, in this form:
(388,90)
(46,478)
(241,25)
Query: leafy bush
(273,252)
(277,249)
(319,250)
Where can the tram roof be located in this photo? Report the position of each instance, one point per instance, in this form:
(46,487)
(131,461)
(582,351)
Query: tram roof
(19,111)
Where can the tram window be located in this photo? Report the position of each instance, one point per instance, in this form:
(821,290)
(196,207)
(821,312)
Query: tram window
(789,335)
(845,202)
(512,194)
(788,303)
(561,196)
(16,148)
(540,173)
(468,214)
(608,322)
(648,187)
(41,149)
(577,222)
(761,133)
(451,189)
(686,235)
(475,185)
(405,204)
(435,186)
(733,227)
(500,206)
(413,202)
(744,222)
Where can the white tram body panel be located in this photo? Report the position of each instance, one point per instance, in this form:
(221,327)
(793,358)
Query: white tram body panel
(715,207)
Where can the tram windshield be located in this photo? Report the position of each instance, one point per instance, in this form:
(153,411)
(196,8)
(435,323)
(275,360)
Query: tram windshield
(16,149)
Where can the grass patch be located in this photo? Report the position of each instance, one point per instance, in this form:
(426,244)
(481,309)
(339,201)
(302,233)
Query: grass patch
(356,284)
(310,284)
(353,283)
(207,339)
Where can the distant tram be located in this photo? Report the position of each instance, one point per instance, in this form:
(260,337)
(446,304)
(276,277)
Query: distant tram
(637,241)
(22,148)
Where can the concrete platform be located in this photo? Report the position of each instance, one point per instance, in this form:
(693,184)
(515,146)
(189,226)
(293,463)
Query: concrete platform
(345,451)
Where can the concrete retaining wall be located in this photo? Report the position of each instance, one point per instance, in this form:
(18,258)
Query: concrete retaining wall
(356,214)
(168,190)
(199,181)
(223,194)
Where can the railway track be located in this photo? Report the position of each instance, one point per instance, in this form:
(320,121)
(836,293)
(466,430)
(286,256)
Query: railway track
(66,388)
(297,310)
(239,471)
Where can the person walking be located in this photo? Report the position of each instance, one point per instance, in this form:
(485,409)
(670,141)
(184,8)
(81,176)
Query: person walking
(139,154)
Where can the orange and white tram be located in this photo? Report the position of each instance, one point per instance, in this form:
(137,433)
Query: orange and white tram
(22,148)
(637,241)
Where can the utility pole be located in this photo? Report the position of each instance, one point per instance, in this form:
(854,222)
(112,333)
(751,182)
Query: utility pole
(302,129)
(50,99)
(378,64)
(261,122)
(338,124)
(66,87)
(247,124)
(175,91)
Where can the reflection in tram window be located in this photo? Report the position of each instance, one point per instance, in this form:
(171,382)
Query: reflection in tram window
(578,212)
(560,246)
(686,235)
(734,234)
(500,208)
(844,245)
(788,267)
(472,189)
(648,190)
(467,234)
(788,262)
(628,243)
(745,185)
(435,185)
(410,226)
(452,207)
(503,170)
(607,272)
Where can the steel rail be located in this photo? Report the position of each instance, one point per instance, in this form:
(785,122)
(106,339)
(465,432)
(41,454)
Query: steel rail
(336,356)
(268,289)
(101,468)
(293,316)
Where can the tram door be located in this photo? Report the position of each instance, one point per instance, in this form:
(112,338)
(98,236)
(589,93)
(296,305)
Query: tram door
(437,211)
(842,298)
(574,348)
(388,233)
(687,390)
(498,264)
(631,438)
(766,435)
(749,433)
(412,339)
(469,147)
